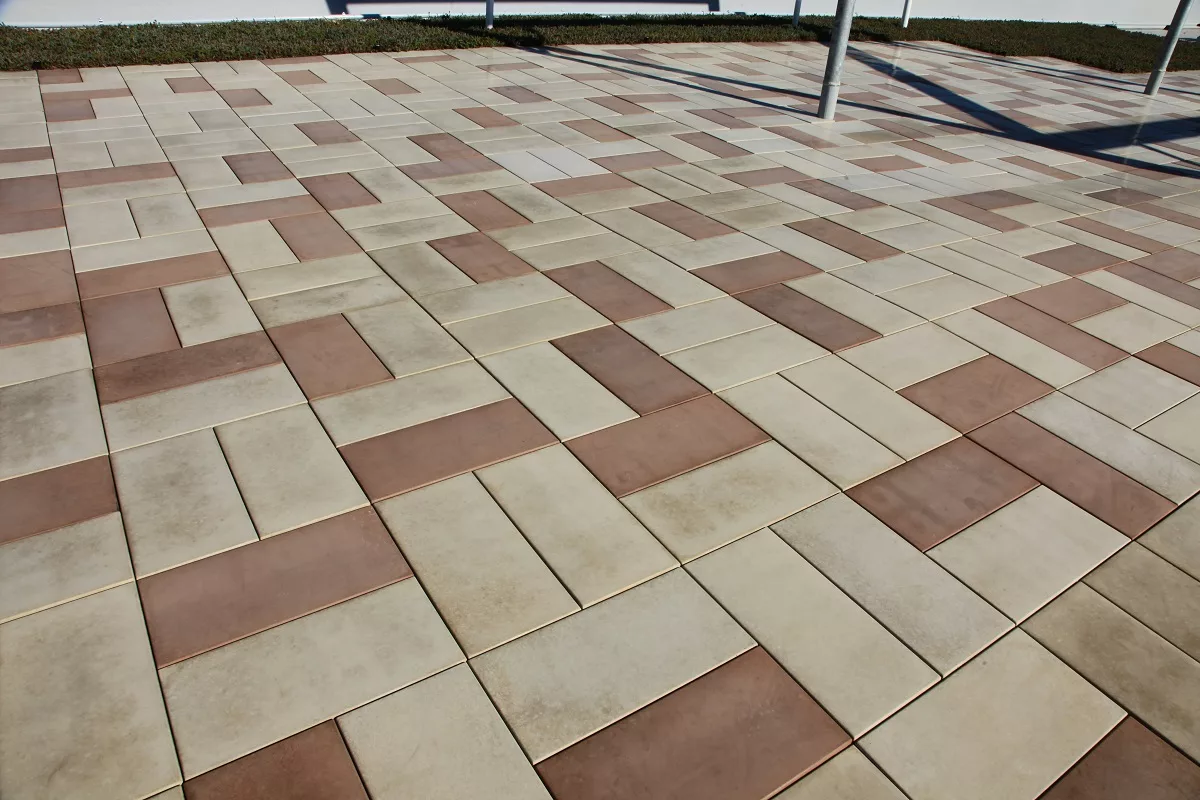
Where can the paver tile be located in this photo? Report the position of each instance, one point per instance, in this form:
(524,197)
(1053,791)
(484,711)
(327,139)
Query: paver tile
(54,498)
(976,392)
(1130,762)
(1131,391)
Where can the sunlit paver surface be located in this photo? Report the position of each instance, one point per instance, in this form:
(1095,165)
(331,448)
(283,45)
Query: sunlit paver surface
(592,423)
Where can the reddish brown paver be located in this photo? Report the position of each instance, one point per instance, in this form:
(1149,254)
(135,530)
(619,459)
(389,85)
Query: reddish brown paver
(976,392)
(413,457)
(258,210)
(636,161)
(23,221)
(301,77)
(200,606)
(885,163)
(40,324)
(1069,341)
(711,144)
(51,499)
(990,201)
(1131,762)
(312,765)
(314,236)
(483,210)
(844,239)
(812,320)
(83,178)
(766,177)
(1184,293)
(519,94)
(151,274)
(684,220)
(29,194)
(1071,300)
(37,280)
(258,167)
(609,292)
(327,356)
(597,130)
(569,187)
(836,194)
(1075,259)
(1086,481)
(337,191)
(130,325)
(1175,360)
(390,86)
(189,85)
(936,495)
(1182,265)
(755,272)
(243,98)
(648,450)
(1127,238)
(975,214)
(174,368)
(741,732)
(326,132)
(641,378)
(1123,197)
(486,117)
(480,257)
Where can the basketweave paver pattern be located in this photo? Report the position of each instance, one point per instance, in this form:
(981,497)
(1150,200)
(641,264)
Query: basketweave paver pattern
(593,422)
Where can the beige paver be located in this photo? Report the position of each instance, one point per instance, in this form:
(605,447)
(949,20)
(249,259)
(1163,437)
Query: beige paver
(77,688)
(1131,391)
(858,671)
(243,696)
(912,355)
(1021,556)
(456,745)
(746,356)
(922,604)
(406,339)
(49,422)
(847,776)
(1017,704)
(695,325)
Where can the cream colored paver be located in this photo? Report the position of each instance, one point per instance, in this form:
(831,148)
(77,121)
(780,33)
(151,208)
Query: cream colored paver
(252,246)
(406,339)
(1024,554)
(943,296)
(81,715)
(672,284)
(288,471)
(1042,362)
(393,234)
(41,571)
(1139,457)
(831,445)
(697,324)
(918,236)
(846,660)
(49,422)
(885,416)
(566,399)
(1014,705)
(568,680)
(919,602)
(887,274)
(152,417)
(1161,596)
(492,297)
(1130,327)
(1145,297)
(1002,259)
(1178,429)
(638,228)
(506,330)
(29,362)
(540,233)
(1131,391)
(100,223)
(857,304)
(162,214)
(137,251)
(179,501)
(708,507)
(273,281)
(805,248)
(592,542)
(389,406)
(204,311)
(913,355)
(847,776)
(486,580)
(1127,661)
(714,250)
(575,251)
(322,302)
(746,356)
(420,269)
(248,694)
(455,745)
(976,270)
(1175,538)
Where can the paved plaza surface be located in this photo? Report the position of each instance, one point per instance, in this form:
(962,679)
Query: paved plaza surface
(592,423)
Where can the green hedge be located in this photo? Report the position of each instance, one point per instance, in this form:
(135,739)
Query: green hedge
(22,48)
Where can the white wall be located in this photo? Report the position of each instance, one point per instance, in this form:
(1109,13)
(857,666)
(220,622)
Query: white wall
(67,12)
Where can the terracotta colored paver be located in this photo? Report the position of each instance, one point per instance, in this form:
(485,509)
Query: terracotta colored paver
(976,392)
(1130,762)
(1070,341)
(936,495)
(844,239)
(645,451)
(327,356)
(641,378)
(807,317)
(1071,301)
(483,210)
(609,292)
(755,272)
(54,498)
(480,257)
(337,191)
(1075,259)
(125,326)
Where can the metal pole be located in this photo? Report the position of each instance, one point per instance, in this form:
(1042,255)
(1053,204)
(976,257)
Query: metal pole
(796,15)
(837,55)
(490,14)
(907,13)
(1160,69)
